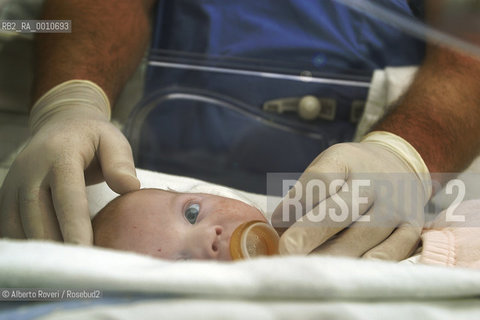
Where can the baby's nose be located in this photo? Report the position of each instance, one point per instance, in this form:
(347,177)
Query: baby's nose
(213,243)
(207,243)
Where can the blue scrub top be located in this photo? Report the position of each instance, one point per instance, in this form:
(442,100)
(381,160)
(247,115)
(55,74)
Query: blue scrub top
(236,145)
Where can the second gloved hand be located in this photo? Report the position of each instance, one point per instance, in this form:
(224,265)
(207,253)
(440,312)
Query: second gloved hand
(72,143)
(357,199)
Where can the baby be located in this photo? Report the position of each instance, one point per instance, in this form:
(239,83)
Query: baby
(172,225)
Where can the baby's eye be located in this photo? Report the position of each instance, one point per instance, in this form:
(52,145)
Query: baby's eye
(191,214)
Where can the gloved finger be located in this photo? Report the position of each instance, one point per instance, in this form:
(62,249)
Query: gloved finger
(356,240)
(10,222)
(93,173)
(400,245)
(327,219)
(38,215)
(70,203)
(313,186)
(28,198)
(116,160)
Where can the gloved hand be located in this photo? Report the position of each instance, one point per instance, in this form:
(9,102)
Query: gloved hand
(72,143)
(368,201)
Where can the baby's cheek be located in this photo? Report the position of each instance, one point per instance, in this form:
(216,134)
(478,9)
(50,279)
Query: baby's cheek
(234,208)
(246,212)
(251,213)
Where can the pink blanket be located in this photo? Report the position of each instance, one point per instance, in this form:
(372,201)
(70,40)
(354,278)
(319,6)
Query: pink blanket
(449,241)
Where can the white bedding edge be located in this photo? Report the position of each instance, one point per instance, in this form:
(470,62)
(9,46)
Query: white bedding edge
(53,265)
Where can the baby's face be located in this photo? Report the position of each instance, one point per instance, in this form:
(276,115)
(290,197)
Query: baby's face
(172,225)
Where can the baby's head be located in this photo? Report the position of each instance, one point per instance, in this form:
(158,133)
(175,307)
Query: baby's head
(172,225)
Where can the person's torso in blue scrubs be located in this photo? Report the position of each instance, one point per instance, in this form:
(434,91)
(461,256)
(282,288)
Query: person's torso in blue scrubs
(209,137)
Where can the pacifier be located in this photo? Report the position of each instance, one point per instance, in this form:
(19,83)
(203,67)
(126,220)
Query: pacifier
(253,239)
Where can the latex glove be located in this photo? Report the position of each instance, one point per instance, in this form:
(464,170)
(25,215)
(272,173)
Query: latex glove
(382,179)
(72,143)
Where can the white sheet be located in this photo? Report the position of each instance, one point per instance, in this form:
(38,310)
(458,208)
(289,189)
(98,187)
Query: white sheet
(278,309)
(46,264)
(310,284)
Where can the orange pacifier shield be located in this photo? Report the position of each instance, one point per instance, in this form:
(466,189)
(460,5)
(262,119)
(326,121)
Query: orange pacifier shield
(253,239)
